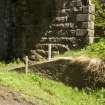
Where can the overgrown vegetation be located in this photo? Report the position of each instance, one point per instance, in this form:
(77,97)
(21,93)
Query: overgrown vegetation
(10,66)
(46,92)
(100,14)
(100,18)
(96,50)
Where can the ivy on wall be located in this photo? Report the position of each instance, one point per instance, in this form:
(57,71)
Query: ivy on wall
(100,17)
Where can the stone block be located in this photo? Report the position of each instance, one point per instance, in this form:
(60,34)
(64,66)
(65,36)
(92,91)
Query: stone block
(85,17)
(72,17)
(75,9)
(91,40)
(82,17)
(81,32)
(91,36)
(88,25)
(79,3)
(61,19)
(71,25)
(80,9)
(90,33)
(89,9)
(73,3)
(71,33)
(91,17)
(66,25)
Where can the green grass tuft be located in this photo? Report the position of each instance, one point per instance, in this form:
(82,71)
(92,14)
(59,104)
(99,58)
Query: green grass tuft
(47,92)
(95,50)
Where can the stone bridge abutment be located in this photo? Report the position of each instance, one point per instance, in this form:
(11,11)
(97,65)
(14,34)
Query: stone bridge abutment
(27,27)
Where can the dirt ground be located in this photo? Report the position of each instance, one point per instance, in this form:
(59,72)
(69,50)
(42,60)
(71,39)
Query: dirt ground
(8,97)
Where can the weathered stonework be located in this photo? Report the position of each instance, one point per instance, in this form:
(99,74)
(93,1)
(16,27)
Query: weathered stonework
(3,33)
(28,26)
(73,27)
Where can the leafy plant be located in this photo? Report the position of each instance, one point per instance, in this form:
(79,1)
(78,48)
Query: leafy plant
(96,49)
(99,17)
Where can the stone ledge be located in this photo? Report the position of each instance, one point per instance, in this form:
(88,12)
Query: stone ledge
(85,17)
(89,9)
(88,25)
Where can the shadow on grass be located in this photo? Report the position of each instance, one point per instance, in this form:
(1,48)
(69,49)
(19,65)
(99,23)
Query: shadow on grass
(69,72)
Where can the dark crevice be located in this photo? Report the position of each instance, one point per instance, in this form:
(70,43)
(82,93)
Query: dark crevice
(85,2)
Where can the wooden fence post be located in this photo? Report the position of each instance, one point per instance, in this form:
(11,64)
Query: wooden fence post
(49,52)
(26,65)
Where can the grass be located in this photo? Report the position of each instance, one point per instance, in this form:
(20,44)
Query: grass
(6,67)
(72,53)
(43,91)
(95,50)
(47,92)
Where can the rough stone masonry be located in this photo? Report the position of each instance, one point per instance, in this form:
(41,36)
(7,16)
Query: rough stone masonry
(27,27)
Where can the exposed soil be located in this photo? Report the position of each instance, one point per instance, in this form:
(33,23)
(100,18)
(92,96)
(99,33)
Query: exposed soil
(8,97)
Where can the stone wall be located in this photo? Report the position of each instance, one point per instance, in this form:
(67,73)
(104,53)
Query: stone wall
(72,28)
(29,26)
(7,28)
(74,22)
(3,37)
